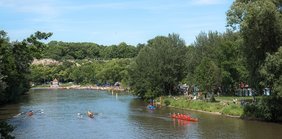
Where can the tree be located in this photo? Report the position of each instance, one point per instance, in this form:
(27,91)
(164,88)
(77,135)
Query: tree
(17,57)
(260,24)
(224,51)
(232,61)
(208,75)
(271,72)
(5,130)
(3,84)
(159,67)
(113,71)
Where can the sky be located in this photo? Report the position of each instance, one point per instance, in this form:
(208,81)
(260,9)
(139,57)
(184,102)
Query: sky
(108,22)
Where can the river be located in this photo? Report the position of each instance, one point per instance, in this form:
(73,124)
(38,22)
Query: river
(119,116)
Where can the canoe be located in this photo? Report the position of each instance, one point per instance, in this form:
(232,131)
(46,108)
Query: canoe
(30,113)
(185,118)
(90,114)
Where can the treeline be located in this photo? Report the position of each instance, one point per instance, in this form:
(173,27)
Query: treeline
(99,72)
(78,51)
(214,60)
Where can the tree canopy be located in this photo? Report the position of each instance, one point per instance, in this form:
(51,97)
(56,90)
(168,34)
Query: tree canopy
(86,50)
(159,67)
(15,58)
(260,25)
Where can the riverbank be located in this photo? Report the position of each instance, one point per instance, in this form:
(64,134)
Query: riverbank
(222,107)
(83,87)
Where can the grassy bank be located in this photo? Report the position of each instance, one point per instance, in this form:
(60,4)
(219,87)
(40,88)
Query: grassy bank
(224,106)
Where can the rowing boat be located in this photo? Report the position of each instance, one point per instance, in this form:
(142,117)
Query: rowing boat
(90,114)
(184,117)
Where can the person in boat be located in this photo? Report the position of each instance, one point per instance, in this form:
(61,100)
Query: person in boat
(90,114)
(187,117)
(174,115)
(183,115)
(151,101)
(30,113)
(177,115)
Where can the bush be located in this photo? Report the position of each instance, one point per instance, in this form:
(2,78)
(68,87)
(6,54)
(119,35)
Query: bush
(167,102)
(271,108)
(268,108)
(5,130)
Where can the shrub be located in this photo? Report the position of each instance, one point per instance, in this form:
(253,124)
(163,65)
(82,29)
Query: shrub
(5,130)
(167,102)
(268,108)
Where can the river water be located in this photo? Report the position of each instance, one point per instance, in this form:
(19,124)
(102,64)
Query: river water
(119,117)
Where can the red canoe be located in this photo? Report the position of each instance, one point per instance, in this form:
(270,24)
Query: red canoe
(185,117)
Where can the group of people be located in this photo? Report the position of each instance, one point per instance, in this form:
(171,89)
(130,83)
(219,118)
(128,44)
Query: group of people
(180,116)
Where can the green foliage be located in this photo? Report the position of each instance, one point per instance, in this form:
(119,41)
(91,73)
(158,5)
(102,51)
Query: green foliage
(216,60)
(271,71)
(113,71)
(78,51)
(260,24)
(5,130)
(268,108)
(83,72)
(208,74)
(159,67)
(166,102)
(16,58)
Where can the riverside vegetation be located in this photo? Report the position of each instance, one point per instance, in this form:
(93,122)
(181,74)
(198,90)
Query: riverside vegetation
(223,107)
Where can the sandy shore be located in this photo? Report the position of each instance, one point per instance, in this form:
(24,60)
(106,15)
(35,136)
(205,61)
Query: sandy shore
(78,87)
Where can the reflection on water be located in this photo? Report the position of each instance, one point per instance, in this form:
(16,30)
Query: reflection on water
(62,114)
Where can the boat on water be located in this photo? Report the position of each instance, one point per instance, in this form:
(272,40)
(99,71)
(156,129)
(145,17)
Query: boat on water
(184,117)
(151,107)
(30,113)
(90,114)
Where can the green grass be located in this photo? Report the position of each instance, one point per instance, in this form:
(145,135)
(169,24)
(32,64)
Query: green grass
(232,109)
(230,98)
(218,107)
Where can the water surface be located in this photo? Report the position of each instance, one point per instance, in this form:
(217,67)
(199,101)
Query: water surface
(119,116)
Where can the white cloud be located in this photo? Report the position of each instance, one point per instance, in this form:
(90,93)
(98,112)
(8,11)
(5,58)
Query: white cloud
(41,8)
(209,2)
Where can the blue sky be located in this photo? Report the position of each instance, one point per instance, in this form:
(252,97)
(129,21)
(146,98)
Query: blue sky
(109,22)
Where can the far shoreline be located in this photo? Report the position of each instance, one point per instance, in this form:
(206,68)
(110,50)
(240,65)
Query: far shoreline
(87,87)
